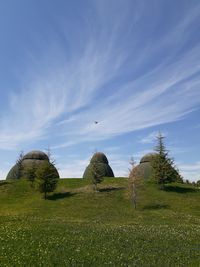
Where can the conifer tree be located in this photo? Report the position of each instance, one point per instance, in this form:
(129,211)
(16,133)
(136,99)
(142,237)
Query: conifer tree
(46,179)
(19,166)
(163,166)
(30,173)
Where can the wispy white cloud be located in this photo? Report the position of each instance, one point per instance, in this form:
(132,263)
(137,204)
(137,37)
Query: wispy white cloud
(56,91)
(138,111)
(150,138)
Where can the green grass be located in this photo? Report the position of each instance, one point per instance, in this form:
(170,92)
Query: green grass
(78,227)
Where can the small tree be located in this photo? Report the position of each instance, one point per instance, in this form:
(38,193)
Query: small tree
(30,173)
(96,176)
(52,160)
(49,154)
(133,164)
(19,166)
(193,183)
(198,183)
(135,182)
(46,178)
(163,166)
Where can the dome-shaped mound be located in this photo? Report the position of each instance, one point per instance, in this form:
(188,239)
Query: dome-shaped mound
(13,173)
(32,160)
(101,164)
(36,154)
(99,157)
(102,168)
(146,171)
(148,157)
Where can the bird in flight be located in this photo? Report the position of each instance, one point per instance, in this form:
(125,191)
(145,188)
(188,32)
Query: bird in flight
(96,122)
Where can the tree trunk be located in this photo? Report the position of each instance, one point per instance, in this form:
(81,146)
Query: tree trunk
(134,200)
(133,195)
(162,185)
(95,187)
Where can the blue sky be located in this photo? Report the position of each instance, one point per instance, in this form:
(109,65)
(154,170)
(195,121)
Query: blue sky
(133,66)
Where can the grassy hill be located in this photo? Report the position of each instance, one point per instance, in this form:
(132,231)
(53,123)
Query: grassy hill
(78,227)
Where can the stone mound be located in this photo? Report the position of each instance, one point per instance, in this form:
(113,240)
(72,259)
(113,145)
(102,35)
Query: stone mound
(33,159)
(101,164)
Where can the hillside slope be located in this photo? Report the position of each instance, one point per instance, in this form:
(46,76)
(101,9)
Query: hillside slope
(78,227)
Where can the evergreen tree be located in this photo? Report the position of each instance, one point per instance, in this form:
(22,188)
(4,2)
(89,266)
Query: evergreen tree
(45,178)
(30,173)
(163,166)
(19,166)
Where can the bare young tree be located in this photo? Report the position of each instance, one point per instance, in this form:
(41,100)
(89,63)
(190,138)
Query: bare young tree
(49,154)
(135,182)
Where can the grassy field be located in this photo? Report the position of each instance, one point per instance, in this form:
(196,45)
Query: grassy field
(78,227)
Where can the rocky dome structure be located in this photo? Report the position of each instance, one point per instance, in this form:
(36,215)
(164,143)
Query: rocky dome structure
(148,157)
(145,169)
(33,159)
(101,163)
(36,155)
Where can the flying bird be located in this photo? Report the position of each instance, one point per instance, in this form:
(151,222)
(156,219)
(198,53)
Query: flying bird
(96,122)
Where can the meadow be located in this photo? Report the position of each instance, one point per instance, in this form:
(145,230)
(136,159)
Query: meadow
(76,226)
